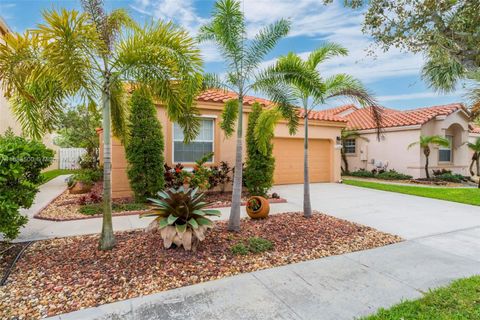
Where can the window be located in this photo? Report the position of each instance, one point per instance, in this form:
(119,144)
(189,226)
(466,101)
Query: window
(445,153)
(196,149)
(349,146)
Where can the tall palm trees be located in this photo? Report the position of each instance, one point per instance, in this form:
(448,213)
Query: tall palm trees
(425,142)
(243,58)
(92,54)
(339,85)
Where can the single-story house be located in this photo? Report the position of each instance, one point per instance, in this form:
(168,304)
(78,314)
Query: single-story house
(324,132)
(400,128)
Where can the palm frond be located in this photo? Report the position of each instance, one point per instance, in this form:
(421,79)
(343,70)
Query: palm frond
(229,117)
(442,73)
(213,81)
(346,86)
(119,110)
(265,40)
(227,29)
(165,58)
(325,52)
(264,130)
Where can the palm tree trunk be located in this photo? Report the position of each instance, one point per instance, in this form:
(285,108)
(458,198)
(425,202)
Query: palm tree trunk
(478,164)
(107,239)
(234,220)
(472,163)
(307,206)
(426,164)
(345,161)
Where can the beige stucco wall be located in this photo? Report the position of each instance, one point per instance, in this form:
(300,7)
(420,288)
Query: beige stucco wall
(393,147)
(224,148)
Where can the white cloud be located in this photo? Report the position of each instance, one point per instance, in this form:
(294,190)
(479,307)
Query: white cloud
(182,12)
(418,95)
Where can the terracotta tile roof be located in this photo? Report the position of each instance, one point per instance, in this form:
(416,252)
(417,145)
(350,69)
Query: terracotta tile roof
(362,118)
(222,96)
(473,128)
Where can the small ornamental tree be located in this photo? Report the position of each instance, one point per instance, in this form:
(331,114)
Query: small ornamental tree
(21,162)
(144,148)
(260,165)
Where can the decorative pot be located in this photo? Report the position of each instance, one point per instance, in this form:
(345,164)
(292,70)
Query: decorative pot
(80,187)
(262,211)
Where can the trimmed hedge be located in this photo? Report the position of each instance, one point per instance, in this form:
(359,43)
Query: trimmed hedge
(144,148)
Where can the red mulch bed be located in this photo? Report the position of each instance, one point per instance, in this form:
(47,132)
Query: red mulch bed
(62,275)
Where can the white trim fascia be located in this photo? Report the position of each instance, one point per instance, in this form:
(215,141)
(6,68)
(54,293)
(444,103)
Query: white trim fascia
(392,129)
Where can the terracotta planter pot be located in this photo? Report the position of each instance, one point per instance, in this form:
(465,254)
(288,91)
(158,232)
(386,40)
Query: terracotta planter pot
(80,187)
(262,212)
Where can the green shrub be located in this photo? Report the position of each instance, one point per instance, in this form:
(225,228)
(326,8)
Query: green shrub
(393,175)
(144,148)
(21,162)
(259,167)
(254,245)
(257,245)
(97,208)
(450,177)
(239,249)
(87,176)
(362,173)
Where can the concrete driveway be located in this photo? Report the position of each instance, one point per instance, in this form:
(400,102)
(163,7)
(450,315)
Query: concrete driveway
(408,216)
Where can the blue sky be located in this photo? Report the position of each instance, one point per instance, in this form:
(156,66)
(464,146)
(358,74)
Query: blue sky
(393,76)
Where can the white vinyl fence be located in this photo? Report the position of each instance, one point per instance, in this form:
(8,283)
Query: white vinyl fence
(69,158)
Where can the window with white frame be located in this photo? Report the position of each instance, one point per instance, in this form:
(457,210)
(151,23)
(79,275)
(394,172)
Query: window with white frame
(445,153)
(197,148)
(349,146)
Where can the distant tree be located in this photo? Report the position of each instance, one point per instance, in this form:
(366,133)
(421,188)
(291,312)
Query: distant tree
(144,148)
(444,31)
(76,129)
(260,165)
(425,142)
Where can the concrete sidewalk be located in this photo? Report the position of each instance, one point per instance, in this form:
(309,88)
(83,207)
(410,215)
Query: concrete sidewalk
(340,287)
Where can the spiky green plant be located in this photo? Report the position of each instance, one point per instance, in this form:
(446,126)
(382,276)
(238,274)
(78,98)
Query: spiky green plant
(243,59)
(425,142)
(181,217)
(93,54)
(321,90)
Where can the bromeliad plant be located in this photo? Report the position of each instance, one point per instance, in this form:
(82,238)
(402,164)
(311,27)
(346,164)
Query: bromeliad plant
(181,217)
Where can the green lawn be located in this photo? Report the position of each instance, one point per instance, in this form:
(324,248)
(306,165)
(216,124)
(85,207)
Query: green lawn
(49,175)
(462,195)
(460,300)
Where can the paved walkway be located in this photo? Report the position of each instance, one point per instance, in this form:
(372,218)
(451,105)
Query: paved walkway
(339,287)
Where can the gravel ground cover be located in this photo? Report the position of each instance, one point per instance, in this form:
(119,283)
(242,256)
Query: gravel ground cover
(62,275)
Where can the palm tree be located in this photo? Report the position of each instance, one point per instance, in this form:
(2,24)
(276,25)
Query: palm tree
(425,142)
(347,134)
(92,54)
(243,59)
(475,147)
(336,86)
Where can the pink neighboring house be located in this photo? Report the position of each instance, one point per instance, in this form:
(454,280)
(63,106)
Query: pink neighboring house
(402,127)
